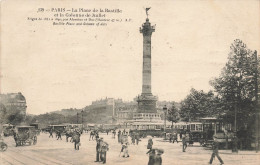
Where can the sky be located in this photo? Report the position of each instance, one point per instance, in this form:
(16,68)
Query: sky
(58,67)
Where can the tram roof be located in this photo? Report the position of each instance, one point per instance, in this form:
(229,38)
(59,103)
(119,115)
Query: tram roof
(8,125)
(25,126)
(145,123)
(58,125)
(209,118)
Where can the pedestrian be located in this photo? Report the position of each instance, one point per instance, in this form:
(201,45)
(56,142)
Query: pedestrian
(98,150)
(184,143)
(119,136)
(104,149)
(215,146)
(171,137)
(175,137)
(59,135)
(125,149)
(133,138)
(234,143)
(97,136)
(151,157)
(157,157)
(91,136)
(76,140)
(107,131)
(137,137)
(114,134)
(51,134)
(150,144)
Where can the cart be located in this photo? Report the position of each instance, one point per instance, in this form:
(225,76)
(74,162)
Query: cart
(25,135)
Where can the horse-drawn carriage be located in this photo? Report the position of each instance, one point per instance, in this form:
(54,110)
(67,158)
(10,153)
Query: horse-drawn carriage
(25,135)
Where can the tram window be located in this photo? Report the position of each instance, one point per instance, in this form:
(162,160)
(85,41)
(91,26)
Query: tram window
(198,127)
(192,126)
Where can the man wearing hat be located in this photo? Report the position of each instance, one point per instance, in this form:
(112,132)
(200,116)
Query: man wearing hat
(155,156)
(175,138)
(119,136)
(151,157)
(215,146)
(103,151)
(124,149)
(158,158)
(150,143)
(76,140)
(184,143)
(98,150)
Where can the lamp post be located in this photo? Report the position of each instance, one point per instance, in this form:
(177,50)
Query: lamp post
(77,118)
(165,112)
(82,117)
(237,99)
(256,103)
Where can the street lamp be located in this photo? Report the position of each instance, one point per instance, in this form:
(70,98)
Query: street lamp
(237,99)
(256,102)
(77,118)
(165,112)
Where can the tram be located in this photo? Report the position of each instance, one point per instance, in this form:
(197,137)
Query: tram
(56,128)
(201,131)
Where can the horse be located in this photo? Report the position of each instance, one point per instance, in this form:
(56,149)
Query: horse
(69,134)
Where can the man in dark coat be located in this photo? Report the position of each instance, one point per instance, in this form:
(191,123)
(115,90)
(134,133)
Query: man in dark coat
(114,134)
(59,135)
(151,157)
(150,144)
(234,144)
(104,147)
(215,146)
(98,150)
(158,158)
(184,143)
(119,136)
(76,140)
(171,137)
(175,137)
(51,134)
(137,138)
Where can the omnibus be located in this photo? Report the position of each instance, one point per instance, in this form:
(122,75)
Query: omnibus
(57,128)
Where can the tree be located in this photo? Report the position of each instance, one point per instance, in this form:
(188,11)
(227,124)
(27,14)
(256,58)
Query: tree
(173,114)
(15,118)
(235,86)
(2,114)
(198,104)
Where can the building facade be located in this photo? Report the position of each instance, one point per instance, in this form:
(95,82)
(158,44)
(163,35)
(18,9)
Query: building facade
(14,102)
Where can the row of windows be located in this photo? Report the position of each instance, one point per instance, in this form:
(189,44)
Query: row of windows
(147,115)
